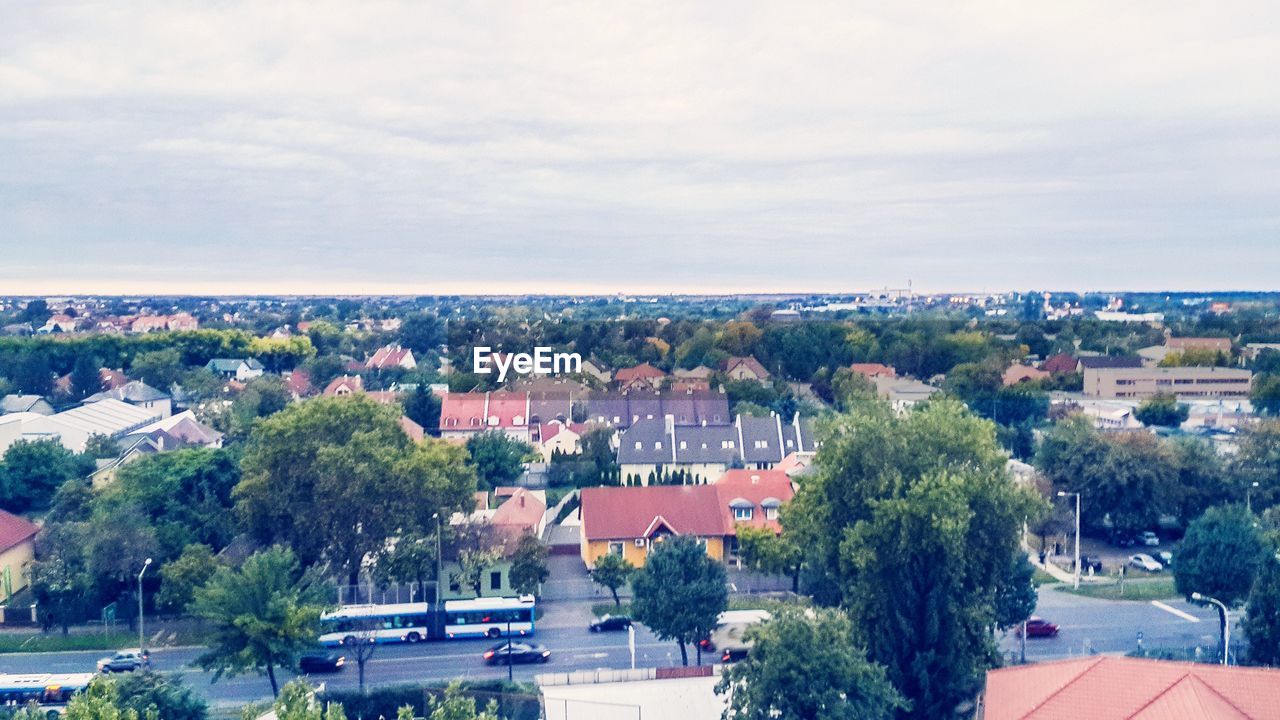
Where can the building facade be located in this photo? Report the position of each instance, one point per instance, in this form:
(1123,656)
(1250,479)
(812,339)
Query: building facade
(1191,382)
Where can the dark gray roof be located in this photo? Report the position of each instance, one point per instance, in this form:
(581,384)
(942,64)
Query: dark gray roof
(646,441)
(1103,361)
(687,408)
(707,444)
(548,405)
(134,391)
(649,441)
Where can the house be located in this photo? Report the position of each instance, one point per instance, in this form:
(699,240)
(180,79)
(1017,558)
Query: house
(753,498)
(1060,364)
(658,447)
(344,386)
(903,393)
(415,431)
(1018,373)
(1152,356)
(558,436)
(298,383)
(688,407)
(242,369)
(463,415)
(643,375)
(59,324)
(595,371)
(1251,351)
(1111,687)
(25,403)
(874,370)
(745,368)
(17,552)
(137,393)
(149,323)
(523,512)
(702,372)
(391,357)
(165,435)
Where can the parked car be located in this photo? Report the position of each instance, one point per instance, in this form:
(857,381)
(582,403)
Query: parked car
(733,655)
(1122,539)
(123,661)
(610,623)
(322,662)
(1149,539)
(1144,561)
(1039,627)
(519,652)
(1165,557)
(1090,562)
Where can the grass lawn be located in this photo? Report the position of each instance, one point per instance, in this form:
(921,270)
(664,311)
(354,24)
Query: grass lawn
(17,642)
(1144,589)
(1043,578)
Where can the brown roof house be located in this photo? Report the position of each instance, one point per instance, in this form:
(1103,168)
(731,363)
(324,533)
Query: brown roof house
(17,552)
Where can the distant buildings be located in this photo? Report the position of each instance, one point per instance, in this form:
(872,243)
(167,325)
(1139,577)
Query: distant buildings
(659,447)
(391,357)
(642,376)
(241,369)
(745,368)
(463,415)
(139,394)
(25,404)
(1140,382)
(902,393)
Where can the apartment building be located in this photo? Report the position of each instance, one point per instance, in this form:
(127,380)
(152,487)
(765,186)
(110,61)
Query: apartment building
(1191,382)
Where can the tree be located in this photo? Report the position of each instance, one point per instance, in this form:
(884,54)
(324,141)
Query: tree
(409,558)
(1259,461)
(180,578)
(185,495)
(454,705)
(31,472)
(765,551)
(1163,410)
(59,576)
(423,407)
(529,564)
(1266,393)
(102,701)
(101,447)
(85,380)
(612,572)
(1262,624)
(1220,556)
(31,372)
(498,459)
(423,333)
(336,478)
(913,524)
(163,694)
(297,701)
(1016,597)
(807,665)
(680,592)
(263,396)
(262,615)
(158,368)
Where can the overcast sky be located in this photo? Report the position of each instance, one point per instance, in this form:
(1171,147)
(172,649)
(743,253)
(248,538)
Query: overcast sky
(685,146)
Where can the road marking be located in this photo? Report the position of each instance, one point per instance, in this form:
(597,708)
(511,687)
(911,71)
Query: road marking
(1175,611)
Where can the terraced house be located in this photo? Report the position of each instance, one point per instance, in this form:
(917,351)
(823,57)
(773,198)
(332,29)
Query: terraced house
(653,448)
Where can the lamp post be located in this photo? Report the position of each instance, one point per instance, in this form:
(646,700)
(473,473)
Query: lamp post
(510,661)
(1248,497)
(439,559)
(1076,581)
(142,646)
(1226,623)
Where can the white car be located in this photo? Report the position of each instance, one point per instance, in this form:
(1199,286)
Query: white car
(1146,562)
(1149,539)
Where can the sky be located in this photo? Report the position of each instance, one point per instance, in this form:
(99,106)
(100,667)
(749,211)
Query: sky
(429,147)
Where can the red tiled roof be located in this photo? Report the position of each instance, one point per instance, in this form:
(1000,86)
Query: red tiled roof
(1121,688)
(749,363)
(1062,363)
(462,411)
(353,383)
(15,530)
(754,486)
(299,383)
(621,513)
(388,357)
(874,370)
(411,428)
(639,372)
(510,408)
(522,511)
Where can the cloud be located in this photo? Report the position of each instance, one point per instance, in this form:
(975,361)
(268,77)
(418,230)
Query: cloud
(663,145)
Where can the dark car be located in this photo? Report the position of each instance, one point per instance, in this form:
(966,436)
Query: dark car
(1039,627)
(610,623)
(732,655)
(1123,539)
(1090,562)
(520,652)
(322,662)
(124,661)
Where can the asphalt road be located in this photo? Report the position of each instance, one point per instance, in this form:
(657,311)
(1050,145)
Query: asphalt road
(1087,625)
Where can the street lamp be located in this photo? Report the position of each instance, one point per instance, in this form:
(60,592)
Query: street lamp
(1248,496)
(439,560)
(1226,623)
(1076,581)
(142,645)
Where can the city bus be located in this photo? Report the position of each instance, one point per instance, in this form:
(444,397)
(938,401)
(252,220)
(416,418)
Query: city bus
(49,690)
(414,622)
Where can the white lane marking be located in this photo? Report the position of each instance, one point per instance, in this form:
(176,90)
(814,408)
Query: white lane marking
(1175,611)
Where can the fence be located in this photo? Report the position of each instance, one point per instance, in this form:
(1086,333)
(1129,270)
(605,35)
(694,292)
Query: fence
(395,593)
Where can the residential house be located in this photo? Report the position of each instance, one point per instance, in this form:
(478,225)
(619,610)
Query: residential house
(1152,356)
(902,393)
(391,357)
(1112,687)
(558,437)
(17,552)
(155,323)
(745,368)
(463,415)
(1251,351)
(874,370)
(1060,364)
(597,372)
(298,383)
(658,447)
(1018,373)
(415,431)
(1138,383)
(642,376)
(241,369)
(702,372)
(172,433)
(344,385)
(522,513)
(59,324)
(139,394)
(753,498)
(25,404)
(690,407)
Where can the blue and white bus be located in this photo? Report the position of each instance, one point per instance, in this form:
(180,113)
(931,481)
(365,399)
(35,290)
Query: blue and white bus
(51,691)
(414,622)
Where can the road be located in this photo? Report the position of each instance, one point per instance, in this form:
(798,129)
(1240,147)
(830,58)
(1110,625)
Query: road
(1087,625)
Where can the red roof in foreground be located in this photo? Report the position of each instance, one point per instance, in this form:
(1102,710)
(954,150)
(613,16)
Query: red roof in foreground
(620,513)
(15,530)
(759,487)
(1120,688)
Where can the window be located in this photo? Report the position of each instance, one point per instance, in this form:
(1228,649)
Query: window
(639,445)
(495,581)
(771,513)
(762,444)
(684,445)
(742,513)
(615,548)
(657,445)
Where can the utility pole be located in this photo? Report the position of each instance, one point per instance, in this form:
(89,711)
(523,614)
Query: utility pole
(1076,580)
(439,559)
(142,643)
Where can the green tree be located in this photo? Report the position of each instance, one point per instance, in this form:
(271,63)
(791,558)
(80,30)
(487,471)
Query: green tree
(765,551)
(262,615)
(1220,555)
(297,701)
(1266,393)
(161,694)
(101,447)
(31,372)
(455,705)
(423,407)
(336,478)
(60,578)
(158,368)
(498,459)
(680,592)
(423,333)
(612,572)
(85,380)
(102,701)
(31,472)
(1163,410)
(1262,623)
(1259,461)
(807,666)
(263,396)
(529,565)
(185,495)
(410,558)
(1016,598)
(180,578)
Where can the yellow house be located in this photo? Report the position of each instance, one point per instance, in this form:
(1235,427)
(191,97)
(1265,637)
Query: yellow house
(631,521)
(17,551)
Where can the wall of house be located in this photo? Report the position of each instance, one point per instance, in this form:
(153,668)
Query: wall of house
(593,550)
(16,561)
(459,592)
(707,472)
(565,441)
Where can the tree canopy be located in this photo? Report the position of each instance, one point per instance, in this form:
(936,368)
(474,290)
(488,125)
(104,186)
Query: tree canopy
(680,592)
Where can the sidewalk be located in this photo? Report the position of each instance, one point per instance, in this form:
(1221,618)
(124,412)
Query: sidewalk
(1063,575)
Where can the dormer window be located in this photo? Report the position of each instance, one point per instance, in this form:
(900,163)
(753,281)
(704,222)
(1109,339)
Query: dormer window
(742,513)
(493,421)
(517,420)
(771,513)
(762,444)
(639,445)
(742,508)
(684,445)
(657,445)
